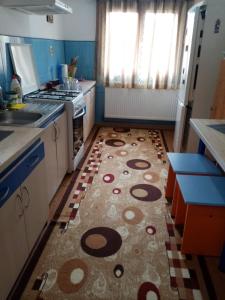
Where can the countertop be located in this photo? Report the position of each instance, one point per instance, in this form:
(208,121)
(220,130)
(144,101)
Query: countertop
(86,85)
(16,143)
(213,139)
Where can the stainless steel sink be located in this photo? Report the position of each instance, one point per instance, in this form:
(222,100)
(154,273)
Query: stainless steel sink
(18,117)
(4,134)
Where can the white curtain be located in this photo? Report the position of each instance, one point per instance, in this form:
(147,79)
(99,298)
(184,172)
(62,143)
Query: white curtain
(140,42)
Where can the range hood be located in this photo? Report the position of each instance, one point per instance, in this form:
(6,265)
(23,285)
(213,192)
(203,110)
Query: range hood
(38,7)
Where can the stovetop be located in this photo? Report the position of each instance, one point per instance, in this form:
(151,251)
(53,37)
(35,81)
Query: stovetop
(55,95)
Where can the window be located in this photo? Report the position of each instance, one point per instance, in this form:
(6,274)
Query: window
(140,47)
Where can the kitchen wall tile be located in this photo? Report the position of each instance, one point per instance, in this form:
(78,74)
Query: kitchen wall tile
(85,50)
(48,54)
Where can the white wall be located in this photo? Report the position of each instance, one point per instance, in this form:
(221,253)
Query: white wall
(19,24)
(81,25)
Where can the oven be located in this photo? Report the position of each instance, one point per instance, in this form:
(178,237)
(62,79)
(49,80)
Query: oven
(78,130)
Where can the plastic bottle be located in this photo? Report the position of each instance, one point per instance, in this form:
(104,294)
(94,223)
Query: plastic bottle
(16,87)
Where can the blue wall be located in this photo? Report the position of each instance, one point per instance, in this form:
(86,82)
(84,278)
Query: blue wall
(85,50)
(47,63)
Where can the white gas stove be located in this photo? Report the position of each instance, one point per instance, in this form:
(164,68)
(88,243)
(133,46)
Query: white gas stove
(76,109)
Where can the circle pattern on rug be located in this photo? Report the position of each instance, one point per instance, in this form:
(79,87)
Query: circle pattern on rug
(121,153)
(138,164)
(108,178)
(145,192)
(72,275)
(110,157)
(115,143)
(141,139)
(150,230)
(133,144)
(112,135)
(92,247)
(118,271)
(151,177)
(125,172)
(121,129)
(132,215)
(148,291)
(116,191)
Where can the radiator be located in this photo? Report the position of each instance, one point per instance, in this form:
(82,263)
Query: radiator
(142,104)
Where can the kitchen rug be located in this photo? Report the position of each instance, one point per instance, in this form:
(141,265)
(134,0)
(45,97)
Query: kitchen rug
(113,245)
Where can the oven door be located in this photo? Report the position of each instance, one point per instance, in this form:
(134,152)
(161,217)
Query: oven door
(78,130)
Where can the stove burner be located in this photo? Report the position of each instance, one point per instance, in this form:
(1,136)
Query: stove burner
(55,95)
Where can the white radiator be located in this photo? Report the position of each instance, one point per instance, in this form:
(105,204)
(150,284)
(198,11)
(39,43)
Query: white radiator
(142,104)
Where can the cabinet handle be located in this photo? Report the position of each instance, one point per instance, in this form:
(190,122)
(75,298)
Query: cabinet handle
(24,188)
(33,160)
(6,192)
(55,131)
(19,199)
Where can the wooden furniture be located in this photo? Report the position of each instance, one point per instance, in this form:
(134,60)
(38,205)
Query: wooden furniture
(23,213)
(218,108)
(56,153)
(214,140)
(187,163)
(202,210)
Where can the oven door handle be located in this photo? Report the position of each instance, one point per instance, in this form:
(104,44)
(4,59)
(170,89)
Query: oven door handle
(81,114)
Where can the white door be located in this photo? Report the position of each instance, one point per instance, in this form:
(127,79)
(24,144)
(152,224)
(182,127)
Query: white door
(180,124)
(35,203)
(190,46)
(49,139)
(13,242)
(62,146)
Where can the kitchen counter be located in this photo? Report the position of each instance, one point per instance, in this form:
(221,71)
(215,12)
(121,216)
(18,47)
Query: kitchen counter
(213,139)
(86,85)
(15,144)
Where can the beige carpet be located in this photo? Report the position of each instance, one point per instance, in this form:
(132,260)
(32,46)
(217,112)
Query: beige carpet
(110,241)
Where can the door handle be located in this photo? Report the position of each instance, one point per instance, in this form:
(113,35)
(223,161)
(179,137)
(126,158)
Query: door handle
(33,160)
(55,132)
(19,200)
(4,192)
(24,188)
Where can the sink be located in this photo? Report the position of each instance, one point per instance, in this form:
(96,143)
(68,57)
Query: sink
(218,127)
(18,117)
(4,134)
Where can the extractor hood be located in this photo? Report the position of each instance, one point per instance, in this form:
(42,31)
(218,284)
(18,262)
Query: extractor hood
(38,7)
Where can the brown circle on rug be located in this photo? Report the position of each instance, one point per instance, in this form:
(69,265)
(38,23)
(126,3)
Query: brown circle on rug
(138,164)
(113,238)
(108,178)
(96,241)
(118,271)
(132,215)
(151,177)
(116,191)
(150,230)
(121,153)
(72,275)
(115,143)
(148,291)
(145,192)
(121,129)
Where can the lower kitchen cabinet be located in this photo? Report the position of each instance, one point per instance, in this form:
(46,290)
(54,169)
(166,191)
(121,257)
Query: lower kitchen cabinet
(22,215)
(55,138)
(89,118)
